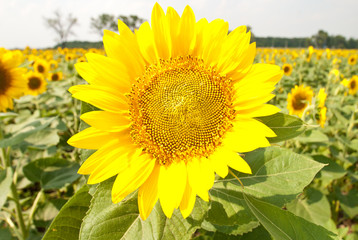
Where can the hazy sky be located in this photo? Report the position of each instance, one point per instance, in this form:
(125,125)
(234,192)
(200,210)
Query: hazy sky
(22,21)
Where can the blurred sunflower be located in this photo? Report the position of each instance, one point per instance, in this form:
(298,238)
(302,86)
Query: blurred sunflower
(41,66)
(298,99)
(36,83)
(352,60)
(53,64)
(81,59)
(352,85)
(322,116)
(322,95)
(56,76)
(178,101)
(287,69)
(12,82)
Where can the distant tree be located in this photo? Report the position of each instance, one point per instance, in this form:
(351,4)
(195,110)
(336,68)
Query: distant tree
(103,21)
(320,39)
(63,28)
(132,21)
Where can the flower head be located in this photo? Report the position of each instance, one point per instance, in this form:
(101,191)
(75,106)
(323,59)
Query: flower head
(287,69)
(298,99)
(12,82)
(36,83)
(177,103)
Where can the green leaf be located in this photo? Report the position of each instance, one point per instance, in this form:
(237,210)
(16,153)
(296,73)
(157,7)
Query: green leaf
(8,115)
(283,224)
(52,173)
(5,184)
(19,137)
(349,202)
(257,233)
(45,137)
(106,220)
(5,234)
(279,175)
(285,126)
(313,136)
(67,223)
(330,172)
(312,206)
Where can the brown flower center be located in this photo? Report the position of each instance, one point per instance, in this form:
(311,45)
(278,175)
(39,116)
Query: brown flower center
(180,108)
(34,83)
(5,81)
(299,101)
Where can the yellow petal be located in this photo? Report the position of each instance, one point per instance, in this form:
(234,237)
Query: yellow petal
(102,98)
(110,72)
(232,159)
(188,201)
(259,111)
(125,51)
(238,163)
(91,138)
(114,147)
(132,177)
(107,121)
(219,162)
(186,33)
(201,176)
(146,43)
(214,35)
(171,186)
(247,135)
(161,32)
(148,193)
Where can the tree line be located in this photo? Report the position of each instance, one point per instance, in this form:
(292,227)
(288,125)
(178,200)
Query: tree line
(63,29)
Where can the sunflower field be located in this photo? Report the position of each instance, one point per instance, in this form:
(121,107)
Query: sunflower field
(169,139)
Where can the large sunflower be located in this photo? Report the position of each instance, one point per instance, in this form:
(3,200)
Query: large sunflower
(12,82)
(177,103)
(298,99)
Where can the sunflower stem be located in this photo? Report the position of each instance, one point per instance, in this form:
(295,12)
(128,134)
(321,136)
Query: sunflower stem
(233,174)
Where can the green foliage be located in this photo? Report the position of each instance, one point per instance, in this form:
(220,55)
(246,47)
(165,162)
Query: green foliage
(67,223)
(284,125)
(282,224)
(106,220)
(52,173)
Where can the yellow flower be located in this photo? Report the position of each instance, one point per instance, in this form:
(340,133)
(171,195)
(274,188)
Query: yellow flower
(41,66)
(178,101)
(56,76)
(81,59)
(287,69)
(352,85)
(299,98)
(12,82)
(322,116)
(36,83)
(322,95)
(352,60)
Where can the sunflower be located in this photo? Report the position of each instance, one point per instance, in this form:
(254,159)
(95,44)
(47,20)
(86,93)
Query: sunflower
(36,83)
(41,66)
(352,60)
(352,85)
(81,59)
(56,76)
(287,69)
(298,99)
(178,101)
(12,82)
(322,95)
(322,116)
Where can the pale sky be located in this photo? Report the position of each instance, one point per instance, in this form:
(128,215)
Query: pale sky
(22,21)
